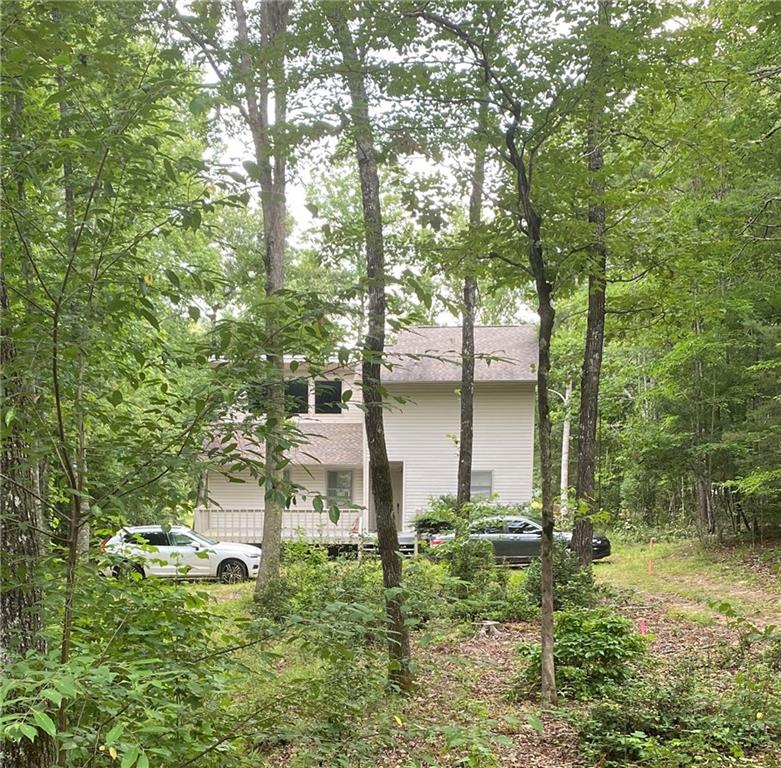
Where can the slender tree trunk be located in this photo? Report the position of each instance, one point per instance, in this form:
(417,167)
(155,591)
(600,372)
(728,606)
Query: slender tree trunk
(564,472)
(532,224)
(270,158)
(466,437)
(70,467)
(595,325)
(400,674)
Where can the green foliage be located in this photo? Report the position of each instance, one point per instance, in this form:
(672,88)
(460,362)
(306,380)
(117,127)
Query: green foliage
(146,669)
(595,650)
(674,721)
(440,516)
(573,585)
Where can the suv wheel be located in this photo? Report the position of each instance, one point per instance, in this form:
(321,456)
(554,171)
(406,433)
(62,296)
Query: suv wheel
(232,572)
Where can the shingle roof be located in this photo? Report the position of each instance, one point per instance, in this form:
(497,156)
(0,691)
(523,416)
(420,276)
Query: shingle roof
(433,354)
(326,443)
(330,443)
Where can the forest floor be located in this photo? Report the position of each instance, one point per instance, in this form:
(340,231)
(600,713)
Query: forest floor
(463,712)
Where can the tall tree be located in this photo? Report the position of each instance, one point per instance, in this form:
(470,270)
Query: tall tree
(253,80)
(528,128)
(595,324)
(466,436)
(400,673)
(270,158)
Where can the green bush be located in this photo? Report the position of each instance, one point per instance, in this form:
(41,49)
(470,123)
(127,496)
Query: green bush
(594,651)
(440,516)
(471,561)
(427,589)
(147,676)
(573,585)
(674,721)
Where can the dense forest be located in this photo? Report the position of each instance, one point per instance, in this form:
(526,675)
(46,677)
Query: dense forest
(197,193)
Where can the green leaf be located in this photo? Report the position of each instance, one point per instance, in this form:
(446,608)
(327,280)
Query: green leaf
(151,319)
(115,398)
(44,722)
(317,503)
(28,730)
(143,761)
(194,312)
(129,758)
(55,697)
(334,514)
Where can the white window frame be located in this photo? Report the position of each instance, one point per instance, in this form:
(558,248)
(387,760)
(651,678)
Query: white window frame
(476,489)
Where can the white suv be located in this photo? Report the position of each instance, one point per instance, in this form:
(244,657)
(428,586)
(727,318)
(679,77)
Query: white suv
(179,552)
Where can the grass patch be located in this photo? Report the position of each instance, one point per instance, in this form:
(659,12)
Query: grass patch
(689,571)
(679,613)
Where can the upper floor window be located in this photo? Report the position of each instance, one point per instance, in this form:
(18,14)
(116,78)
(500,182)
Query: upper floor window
(340,486)
(328,396)
(297,396)
(482,484)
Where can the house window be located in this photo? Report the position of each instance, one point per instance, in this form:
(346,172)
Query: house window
(340,486)
(328,396)
(482,484)
(297,396)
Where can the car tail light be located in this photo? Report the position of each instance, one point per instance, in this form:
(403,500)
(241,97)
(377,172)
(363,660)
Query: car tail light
(436,542)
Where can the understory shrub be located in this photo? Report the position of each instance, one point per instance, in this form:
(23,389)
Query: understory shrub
(675,721)
(573,585)
(594,651)
(480,589)
(147,677)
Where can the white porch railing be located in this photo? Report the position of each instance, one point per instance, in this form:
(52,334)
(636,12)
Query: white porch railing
(246,525)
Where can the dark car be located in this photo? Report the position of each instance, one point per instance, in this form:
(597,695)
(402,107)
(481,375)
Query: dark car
(518,540)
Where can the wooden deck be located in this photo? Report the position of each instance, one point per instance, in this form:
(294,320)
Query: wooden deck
(246,525)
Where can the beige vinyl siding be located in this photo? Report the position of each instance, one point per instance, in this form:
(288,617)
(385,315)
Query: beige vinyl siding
(422,433)
(248,495)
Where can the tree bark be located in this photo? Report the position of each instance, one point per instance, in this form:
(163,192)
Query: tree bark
(466,437)
(270,158)
(564,472)
(595,324)
(21,593)
(529,216)
(400,674)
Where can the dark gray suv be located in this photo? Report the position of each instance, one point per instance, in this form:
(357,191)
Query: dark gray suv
(518,540)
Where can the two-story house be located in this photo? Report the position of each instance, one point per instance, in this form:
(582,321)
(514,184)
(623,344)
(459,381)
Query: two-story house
(422,424)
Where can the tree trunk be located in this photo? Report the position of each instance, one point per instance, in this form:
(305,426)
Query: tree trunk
(564,472)
(595,324)
(270,158)
(463,494)
(530,222)
(400,674)
(466,436)
(21,593)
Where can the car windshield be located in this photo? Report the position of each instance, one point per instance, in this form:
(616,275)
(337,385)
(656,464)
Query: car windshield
(202,538)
